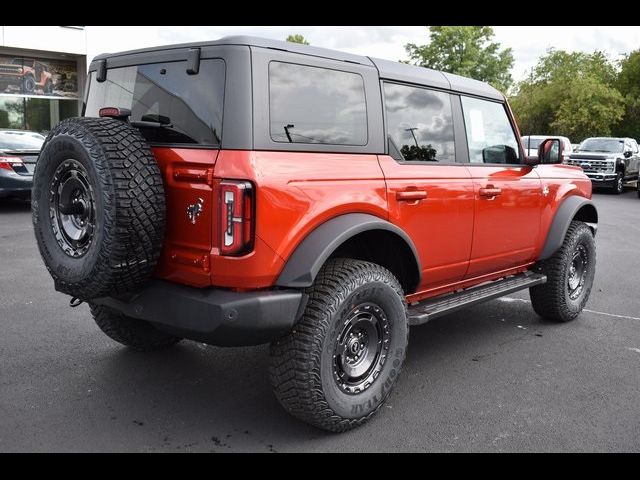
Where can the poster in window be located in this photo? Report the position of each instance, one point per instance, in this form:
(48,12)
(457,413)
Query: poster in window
(38,77)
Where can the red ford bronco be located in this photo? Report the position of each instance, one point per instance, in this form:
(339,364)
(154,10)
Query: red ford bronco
(245,191)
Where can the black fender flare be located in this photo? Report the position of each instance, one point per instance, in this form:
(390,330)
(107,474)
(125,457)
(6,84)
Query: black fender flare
(306,260)
(570,208)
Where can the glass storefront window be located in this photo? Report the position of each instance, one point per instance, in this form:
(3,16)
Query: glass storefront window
(11,112)
(36,93)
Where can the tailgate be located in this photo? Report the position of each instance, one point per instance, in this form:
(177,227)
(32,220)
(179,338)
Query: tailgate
(191,205)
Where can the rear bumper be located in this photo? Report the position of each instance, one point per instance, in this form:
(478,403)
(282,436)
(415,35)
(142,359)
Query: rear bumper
(213,316)
(13,184)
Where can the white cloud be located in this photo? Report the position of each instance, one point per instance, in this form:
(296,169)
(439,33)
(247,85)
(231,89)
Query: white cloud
(528,42)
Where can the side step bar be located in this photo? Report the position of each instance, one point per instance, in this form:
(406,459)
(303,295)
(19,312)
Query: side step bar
(436,307)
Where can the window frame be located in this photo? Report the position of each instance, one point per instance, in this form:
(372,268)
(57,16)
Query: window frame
(262,57)
(455,120)
(514,129)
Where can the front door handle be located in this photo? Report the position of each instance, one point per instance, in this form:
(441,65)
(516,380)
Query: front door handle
(411,195)
(490,191)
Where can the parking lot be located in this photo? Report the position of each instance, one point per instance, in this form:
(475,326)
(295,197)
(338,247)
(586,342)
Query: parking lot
(490,378)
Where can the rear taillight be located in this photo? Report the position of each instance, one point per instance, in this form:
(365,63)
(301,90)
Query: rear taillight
(8,163)
(236,217)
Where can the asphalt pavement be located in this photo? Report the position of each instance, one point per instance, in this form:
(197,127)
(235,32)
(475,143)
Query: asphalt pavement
(491,378)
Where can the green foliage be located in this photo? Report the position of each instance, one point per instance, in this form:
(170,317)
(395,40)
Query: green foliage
(628,83)
(465,50)
(571,94)
(590,108)
(297,38)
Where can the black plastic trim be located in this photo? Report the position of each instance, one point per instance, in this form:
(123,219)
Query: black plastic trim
(564,216)
(213,316)
(309,256)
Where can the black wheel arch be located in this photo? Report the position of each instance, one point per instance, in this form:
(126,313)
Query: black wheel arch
(354,235)
(572,208)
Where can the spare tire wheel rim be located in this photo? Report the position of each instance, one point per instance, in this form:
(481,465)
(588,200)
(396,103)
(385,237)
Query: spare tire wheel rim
(361,347)
(72,208)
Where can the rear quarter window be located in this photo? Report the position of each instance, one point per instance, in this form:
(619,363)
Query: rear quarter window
(167,105)
(316,105)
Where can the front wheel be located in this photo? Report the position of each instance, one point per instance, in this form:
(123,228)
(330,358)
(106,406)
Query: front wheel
(570,273)
(618,187)
(340,362)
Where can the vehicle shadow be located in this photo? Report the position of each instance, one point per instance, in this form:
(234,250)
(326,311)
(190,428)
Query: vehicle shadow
(14,205)
(224,394)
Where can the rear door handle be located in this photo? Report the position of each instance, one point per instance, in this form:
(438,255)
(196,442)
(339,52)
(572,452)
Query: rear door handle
(490,191)
(411,195)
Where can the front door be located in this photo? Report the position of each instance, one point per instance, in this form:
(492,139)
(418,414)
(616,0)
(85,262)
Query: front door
(430,196)
(507,193)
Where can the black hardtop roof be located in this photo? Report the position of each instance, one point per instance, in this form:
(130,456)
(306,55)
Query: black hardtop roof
(387,69)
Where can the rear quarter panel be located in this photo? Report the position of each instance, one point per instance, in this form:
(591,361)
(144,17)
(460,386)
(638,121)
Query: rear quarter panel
(296,192)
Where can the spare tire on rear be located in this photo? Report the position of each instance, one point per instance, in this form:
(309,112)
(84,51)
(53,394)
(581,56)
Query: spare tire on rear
(98,207)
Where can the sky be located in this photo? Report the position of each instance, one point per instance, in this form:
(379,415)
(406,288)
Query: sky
(528,42)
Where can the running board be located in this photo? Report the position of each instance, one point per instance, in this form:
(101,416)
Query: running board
(436,307)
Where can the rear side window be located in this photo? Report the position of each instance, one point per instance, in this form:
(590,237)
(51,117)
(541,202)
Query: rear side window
(489,132)
(167,105)
(419,123)
(316,105)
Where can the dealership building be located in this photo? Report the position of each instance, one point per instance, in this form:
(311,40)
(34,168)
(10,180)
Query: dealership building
(42,75)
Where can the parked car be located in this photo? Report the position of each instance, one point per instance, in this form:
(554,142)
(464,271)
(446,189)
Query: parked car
(532,142)
(608,161)
(18,154)
(29,74)
(330,206)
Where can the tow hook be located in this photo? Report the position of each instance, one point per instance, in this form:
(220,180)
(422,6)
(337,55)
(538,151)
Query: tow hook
(75,302)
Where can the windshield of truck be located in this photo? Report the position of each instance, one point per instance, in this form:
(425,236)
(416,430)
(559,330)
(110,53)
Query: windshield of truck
(604,145)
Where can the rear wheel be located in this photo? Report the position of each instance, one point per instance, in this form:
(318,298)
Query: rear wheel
(132,332)
(570,273)
(340,362)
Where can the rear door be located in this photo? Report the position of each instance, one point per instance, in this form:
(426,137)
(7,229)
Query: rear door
(507,192)
(430,195)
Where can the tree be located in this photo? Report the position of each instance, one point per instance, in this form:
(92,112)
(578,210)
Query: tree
(628,83)
(467,51)
(590,108)
(569,93)
(297,38)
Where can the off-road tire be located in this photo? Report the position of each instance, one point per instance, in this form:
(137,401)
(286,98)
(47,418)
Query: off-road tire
(129,208)
(302,368)
(28,84)
(618,186)
(132,332)
(551,300)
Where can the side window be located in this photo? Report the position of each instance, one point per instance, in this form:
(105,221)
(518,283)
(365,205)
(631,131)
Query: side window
(634,146)
(419,124)
(489,133)
(316,105)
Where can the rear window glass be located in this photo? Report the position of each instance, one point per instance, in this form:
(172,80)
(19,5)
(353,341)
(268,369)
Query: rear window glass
(167,105)
(316,105)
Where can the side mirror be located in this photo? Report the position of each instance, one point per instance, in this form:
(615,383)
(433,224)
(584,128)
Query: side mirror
(627,154)
(550,151)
